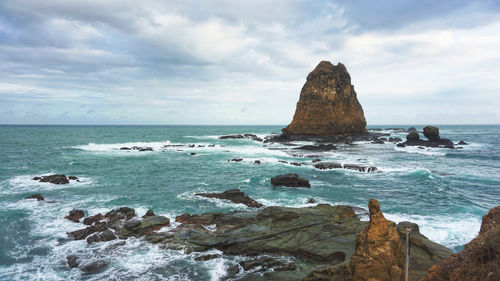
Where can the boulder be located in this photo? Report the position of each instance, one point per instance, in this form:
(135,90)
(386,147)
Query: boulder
(328,165)
(235,196)
(413,136)
(95,267)
(290,180)
(328,104)
(37,196)
(412,129)
(432,133)
(75,215)
(480,260)
(54,179)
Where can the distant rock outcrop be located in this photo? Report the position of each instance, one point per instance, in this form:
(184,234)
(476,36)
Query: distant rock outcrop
(480,260)
(328,104)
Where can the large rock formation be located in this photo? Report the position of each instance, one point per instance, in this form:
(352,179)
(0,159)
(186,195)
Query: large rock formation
(480,260)
(328,104)
(378,256)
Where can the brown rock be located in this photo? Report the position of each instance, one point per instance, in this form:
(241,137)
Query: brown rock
(290,180)
(378,255)
(328,104)
(93,219)
(432,133)
(37,196)
(480,260)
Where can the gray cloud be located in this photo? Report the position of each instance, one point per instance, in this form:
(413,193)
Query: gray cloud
(216,57)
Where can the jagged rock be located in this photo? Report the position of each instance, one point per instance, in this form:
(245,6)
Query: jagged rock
(37,196)
(432,133)
(290,180)
(93,219)
(321,147)
(266,263)
(95,267)
(207,257)
(123,213)
(149,213)
(106,235)
(360,168)
(84,233)
(75,215)
(378,254)
(239,136)
(54,179)
(235,196)
(328,165)
(328,104)
(480,260)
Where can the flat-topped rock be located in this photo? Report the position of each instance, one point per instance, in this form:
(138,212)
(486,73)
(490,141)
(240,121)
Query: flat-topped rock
(290,180)
(233,195)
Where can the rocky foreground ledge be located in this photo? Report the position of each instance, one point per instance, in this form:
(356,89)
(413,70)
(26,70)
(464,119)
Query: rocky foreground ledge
(310,238)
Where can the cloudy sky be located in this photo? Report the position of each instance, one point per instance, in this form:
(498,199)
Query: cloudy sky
(244,62)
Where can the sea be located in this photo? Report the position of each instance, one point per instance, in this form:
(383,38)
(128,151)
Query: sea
(445,191)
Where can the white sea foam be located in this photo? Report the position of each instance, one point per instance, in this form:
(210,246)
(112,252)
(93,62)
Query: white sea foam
(115,147)
(24,183)
(425,151)
(451,231)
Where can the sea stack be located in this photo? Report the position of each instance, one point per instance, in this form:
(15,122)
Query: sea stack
(328,105)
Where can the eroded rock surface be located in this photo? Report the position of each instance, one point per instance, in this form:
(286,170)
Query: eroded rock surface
(233,195)
(328,104)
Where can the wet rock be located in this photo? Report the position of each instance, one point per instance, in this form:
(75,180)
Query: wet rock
(320,147)
(290,180)
(257,162)
(480,260)
(360,168)
(149,213)
(125,148)
(378,141)
(316,160)
(106,235)
(295,164)
(54,179)
(239,136)
(95,267)
(192,154)
(123,213)
(265,263)
(137,228)
(75,215)
(462,143)
(84,233)
(432,133)
(413,136)
(211,145)
(73,178)
(283,161)
(328,104)
(328,165)
(37,196)
(93,219)
(395,139)
(73,261)
(311,201)
(207,257)
(412,129)
(235,160)
(235,196)
(191,145)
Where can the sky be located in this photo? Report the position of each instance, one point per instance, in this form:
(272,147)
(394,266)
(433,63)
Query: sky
(245,62)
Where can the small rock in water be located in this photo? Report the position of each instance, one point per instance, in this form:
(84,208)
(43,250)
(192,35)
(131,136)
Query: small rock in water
(462,143)
(192,153)
(207,257)
(75,215)
(54,179)
(311,201)
(290,180)
(328,165)
(149,213)
(295,164)
(233,195)
(73,261)
(235,160)
(94,267)
(257,162)
(316,160)
(37,196)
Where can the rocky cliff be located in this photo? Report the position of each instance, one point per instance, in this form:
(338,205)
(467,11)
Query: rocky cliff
(480,260)
(328,104)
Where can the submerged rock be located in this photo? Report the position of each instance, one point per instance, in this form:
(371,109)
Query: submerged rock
(235,196)
(480,260)
(73,261)
(290,180)
(95,267)
(328,104)
(37,196)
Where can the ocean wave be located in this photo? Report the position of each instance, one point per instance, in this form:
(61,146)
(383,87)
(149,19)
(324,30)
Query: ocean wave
(425,151)
(24,183)
(115,147)
(451,231)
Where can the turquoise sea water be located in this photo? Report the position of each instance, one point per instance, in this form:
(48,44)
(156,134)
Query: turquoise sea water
(445,191)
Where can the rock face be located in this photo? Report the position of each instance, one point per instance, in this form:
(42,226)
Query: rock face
(233,195)
(480,260)
(328,104)
(378,255)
